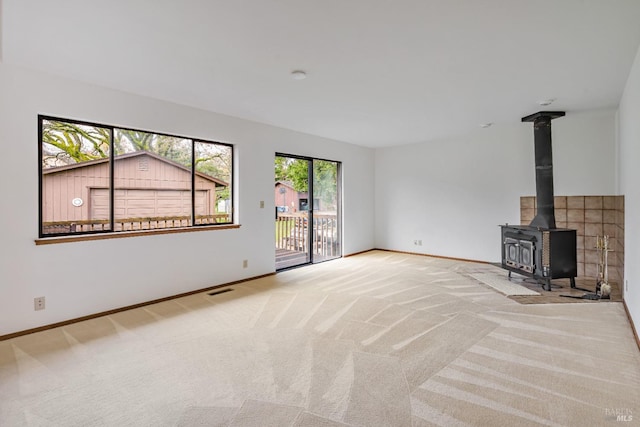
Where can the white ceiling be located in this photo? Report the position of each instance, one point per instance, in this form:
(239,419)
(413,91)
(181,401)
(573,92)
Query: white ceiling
(380,73)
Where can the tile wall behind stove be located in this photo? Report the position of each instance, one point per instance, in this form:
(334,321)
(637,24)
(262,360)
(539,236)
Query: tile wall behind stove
(591,216)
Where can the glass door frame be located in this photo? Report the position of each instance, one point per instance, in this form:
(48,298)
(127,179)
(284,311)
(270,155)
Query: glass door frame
(311,207)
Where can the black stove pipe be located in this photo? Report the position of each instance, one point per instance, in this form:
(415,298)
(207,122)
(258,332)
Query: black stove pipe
(545,217)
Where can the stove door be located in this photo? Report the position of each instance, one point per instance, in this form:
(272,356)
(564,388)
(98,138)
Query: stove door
(511,252)
(526,256)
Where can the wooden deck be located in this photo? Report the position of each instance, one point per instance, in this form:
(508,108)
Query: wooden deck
(286,258)
(292,239)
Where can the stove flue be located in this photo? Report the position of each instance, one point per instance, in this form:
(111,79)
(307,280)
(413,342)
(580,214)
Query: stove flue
(545,218)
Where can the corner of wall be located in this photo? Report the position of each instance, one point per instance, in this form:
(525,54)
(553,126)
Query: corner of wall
(616,141)
(628,154)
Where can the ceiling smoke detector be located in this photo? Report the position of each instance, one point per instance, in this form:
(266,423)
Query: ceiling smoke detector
(298,75)
(546,102)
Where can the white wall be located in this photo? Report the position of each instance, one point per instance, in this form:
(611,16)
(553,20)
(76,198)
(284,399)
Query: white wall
(629,176)
(83,278)
(452,194)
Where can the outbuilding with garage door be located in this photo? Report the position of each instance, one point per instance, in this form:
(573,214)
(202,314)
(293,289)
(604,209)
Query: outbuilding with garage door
(146,185)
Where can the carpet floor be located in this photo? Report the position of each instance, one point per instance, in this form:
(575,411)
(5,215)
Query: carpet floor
(377,339)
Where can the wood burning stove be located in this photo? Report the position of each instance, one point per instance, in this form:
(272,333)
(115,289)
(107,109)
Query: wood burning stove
(540,250)
(543,254)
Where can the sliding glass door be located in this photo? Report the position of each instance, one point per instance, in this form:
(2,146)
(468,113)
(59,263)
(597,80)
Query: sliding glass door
(307,217)
(326,211)
(292,211)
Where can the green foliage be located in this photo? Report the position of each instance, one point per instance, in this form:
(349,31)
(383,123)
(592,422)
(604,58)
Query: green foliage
(213,160)
(127,141)
(325,183)
(68,143)
(297,172)
(281,169)
(293,170)
(175,149)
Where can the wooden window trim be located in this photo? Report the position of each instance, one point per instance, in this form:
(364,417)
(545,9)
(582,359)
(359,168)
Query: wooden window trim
(125,234)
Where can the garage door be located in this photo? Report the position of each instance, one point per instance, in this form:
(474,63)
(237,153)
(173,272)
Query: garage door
(134,203)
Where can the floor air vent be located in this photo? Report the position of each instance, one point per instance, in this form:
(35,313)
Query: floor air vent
(219,292)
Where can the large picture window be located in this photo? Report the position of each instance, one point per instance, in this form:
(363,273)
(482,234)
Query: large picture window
(96,178)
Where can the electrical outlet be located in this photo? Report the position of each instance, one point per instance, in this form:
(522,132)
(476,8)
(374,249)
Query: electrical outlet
(261,204)
(245,263)
(419,242)
(38,303)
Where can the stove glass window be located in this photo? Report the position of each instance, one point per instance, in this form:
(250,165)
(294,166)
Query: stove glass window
(511,251)
(526,256)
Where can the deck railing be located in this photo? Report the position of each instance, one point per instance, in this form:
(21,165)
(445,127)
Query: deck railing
(292,233)
(131,224)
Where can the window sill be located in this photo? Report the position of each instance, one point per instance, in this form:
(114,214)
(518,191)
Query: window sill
(124,234)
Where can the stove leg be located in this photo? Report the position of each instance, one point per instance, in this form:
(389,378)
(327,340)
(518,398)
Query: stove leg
(547,285)
(573,282)
(509,274)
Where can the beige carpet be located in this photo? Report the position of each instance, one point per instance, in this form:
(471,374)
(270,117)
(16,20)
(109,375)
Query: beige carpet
(379,339)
